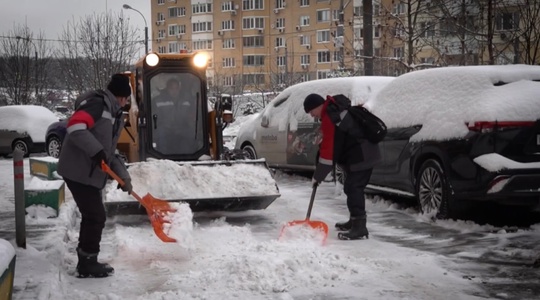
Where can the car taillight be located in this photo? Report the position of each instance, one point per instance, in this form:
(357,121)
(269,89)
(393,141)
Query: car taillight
(491,126)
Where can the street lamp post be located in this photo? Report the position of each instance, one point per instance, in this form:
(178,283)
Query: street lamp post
(125,6)
(28,40)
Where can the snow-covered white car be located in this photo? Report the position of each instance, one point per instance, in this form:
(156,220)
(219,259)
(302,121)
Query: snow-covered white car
(23,127)
(285,135)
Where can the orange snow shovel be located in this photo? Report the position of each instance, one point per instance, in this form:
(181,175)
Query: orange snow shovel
(317,225)
(156,209)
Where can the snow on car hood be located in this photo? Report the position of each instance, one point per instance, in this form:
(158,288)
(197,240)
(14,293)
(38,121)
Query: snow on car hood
(443,100)
(31,119)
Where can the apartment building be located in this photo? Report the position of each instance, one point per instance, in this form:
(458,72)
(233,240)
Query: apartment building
(257,44)
(412,34)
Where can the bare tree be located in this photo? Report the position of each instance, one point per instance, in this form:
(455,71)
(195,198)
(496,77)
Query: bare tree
(528,43)
(95,47)
(24,63)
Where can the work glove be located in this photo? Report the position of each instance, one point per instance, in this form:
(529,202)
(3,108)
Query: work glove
(98,157)
(321,171)
(127,187)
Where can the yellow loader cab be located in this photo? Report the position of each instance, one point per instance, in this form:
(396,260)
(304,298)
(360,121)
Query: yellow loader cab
(170,119)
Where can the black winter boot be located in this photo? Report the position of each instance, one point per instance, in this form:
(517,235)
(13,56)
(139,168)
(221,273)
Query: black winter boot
(344,226)
(358,230)
(88,266)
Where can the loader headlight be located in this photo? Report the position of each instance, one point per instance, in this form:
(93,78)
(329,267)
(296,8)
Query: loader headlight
(200,60)
(152,59)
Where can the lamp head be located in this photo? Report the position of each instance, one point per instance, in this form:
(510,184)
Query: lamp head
(125,6)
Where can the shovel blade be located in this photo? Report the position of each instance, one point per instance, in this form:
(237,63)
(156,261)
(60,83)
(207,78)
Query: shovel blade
(316,225)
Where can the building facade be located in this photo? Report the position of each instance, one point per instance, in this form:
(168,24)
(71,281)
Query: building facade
(265,45)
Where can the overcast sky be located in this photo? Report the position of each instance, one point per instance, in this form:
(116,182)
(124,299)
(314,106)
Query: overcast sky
(51,16)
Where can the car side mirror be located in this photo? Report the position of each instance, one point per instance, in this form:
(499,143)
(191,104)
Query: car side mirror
(265,122)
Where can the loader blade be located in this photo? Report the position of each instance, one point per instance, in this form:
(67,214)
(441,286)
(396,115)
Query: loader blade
(205,185)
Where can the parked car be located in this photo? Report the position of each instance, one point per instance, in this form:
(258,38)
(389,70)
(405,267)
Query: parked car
(54,138)
(455,135)
(23,127)
(285,135)
(459,134)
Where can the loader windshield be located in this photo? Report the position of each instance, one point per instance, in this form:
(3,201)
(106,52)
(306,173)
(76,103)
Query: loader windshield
(176,114)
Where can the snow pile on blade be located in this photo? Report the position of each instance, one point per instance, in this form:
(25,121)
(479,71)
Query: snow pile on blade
(168,180)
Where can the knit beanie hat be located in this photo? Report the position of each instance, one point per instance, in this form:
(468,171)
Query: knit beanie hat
(119,85)
(312,101)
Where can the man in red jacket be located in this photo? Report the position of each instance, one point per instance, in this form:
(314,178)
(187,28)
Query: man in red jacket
(355,155)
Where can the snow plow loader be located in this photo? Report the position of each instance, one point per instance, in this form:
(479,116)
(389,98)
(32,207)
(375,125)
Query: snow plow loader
(173,143)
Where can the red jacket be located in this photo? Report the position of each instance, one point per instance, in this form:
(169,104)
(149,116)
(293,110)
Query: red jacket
(328,129)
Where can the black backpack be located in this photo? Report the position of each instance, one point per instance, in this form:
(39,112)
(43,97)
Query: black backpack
(373,128)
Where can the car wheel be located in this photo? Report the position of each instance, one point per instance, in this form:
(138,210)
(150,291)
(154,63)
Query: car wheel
(22,146)
(54,146)
(432,190)
(339,174)
(250,152)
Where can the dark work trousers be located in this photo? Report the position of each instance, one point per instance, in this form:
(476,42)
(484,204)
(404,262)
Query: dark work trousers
(93,217)
(355,183)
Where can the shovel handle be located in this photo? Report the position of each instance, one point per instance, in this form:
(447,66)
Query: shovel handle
(315,185)
(121,182)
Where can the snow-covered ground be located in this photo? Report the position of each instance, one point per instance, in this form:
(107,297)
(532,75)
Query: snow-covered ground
(239,256)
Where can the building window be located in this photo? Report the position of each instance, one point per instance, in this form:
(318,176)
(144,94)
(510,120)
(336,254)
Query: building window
(201,8)
(323,56)
(227,6)
(399,8)
(202,26)
(507,21)
(323,36)
(229,44)
(229,62)
(252,4)
(335,15)
(304,77)
(335,56)
(322,74)
(280,23)
(398,52)
(177,12)
(173,47)
(202,45)
(162,49)
(160,2)
(227,25)
(253,60)
(304,21)
(376,31)
(253,41)
(228,81)
(160,17)
(427,29)
(304,2)
(252,23)
(174,30)
(280,42)
(281,61)
(305,40)
(162,33)
(280,3)
(304,59)
(253,79)
(323,16)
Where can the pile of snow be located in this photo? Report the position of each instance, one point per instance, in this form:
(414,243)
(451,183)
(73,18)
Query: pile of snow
(169,180)
(8,252)
(30,119)
(444,100)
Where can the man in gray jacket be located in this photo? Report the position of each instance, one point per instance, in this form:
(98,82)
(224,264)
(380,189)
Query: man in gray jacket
(92,134)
